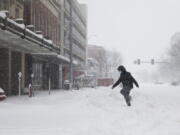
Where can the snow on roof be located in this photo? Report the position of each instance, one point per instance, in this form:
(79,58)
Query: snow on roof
(3,14)
(22,26)
(30,25)
(19,19)
(1,90)
(33,33)
(39,35)
(75,62)
(64,58)
(17,24)
(49,41)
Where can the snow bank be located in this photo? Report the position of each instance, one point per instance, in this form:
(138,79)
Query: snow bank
(100,111)
(3,14)
(1,90)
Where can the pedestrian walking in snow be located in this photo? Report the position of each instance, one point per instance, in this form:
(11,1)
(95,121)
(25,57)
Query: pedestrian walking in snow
(127,81)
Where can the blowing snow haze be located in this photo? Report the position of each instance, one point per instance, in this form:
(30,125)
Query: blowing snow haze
(136,28)
(59,62)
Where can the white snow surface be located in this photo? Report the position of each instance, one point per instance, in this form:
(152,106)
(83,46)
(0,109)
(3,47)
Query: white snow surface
(3,14)
(1,90)
(155,110)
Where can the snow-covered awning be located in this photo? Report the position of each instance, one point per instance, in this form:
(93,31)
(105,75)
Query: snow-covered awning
(19,37)
(51,57)
(10,40)
(16,37)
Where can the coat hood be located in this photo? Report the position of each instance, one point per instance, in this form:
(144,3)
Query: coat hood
(121,68)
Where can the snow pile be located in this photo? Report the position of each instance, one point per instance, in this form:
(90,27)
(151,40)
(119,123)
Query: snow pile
(49,41)
(100,111)
(40,36)
(1,90)
(3,14)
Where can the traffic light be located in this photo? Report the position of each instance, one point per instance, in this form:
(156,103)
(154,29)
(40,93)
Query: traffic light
(138,61)
(152,61)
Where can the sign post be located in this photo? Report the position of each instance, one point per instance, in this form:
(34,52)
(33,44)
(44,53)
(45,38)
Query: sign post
(19,78)
(32,90)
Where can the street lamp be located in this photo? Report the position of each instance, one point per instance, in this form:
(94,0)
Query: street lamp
(70,39)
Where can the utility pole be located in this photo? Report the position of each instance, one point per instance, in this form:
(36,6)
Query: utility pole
(70,39)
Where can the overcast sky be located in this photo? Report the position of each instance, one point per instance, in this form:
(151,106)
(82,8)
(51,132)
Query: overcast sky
(136,28)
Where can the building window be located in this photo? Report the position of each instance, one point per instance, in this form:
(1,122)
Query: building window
(17,13)
(3,5)
(37,71)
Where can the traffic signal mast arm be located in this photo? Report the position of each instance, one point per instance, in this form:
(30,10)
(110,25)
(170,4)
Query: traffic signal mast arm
(152,61)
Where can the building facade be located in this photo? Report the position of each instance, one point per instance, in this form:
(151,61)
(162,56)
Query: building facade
(98,53)
(15,8)
(40,50)
(22,51)
(11,61)
(45,16)
(75,35)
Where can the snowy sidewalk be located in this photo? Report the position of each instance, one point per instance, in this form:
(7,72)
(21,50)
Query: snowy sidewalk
(102,111)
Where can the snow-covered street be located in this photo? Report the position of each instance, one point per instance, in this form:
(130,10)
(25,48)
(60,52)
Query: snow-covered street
(155,110)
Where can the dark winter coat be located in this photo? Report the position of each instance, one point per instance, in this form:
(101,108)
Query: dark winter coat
(126,79)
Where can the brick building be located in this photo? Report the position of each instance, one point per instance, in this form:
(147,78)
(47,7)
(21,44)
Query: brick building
(75,22)
(22,50)
(44,55)
(45,16)
(11,60)
(15,8)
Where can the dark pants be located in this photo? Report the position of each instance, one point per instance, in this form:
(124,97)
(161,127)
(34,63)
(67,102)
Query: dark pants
(125,92)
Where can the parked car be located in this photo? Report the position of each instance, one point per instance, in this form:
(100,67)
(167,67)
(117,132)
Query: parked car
(2,95)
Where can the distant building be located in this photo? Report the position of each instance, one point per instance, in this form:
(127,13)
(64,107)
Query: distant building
(77,13)
(98,53)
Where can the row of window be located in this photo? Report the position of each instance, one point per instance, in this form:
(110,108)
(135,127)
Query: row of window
(6,4)
(78,51)
(44,20)
(37,71)
(80,38)
(78,20)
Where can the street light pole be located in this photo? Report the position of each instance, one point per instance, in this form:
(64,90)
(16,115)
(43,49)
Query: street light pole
(71,55)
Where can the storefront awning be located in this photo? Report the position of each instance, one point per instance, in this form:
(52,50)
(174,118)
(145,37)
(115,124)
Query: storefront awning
(14,42)
(51,58)
(31,43)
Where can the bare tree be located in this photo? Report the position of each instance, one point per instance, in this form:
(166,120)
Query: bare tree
(171,70)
